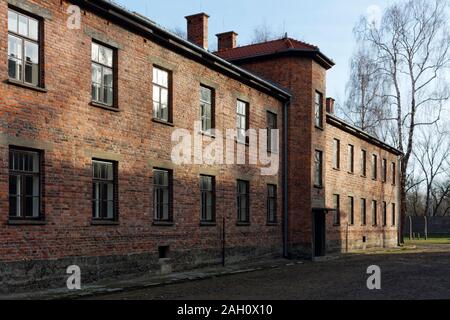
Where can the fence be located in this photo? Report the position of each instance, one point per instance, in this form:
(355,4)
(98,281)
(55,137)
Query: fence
(427,226)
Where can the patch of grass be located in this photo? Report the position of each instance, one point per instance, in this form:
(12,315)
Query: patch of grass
(434,239)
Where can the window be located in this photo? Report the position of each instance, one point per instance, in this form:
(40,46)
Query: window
(24,184)
(243,201)
(271,203)
(207,108)
(161,98)
(374,167)
(336,212)
(384,170)
(208,201)
(336,154)
(242,120)
(393,215)
(351,209)
(318,110)
(104,190)
(24,49)
(374,213)
(351,160)
(318,168)
(363,163)
(363,212)
(393,173)
(162,195)
(272,126)
(384,214)
(102,74)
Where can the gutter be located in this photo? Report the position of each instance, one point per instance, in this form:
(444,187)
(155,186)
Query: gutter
(286,251)
(149,27)
(333,120)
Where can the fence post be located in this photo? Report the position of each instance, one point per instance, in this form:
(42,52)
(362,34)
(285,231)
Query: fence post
(426,227)
(410,228)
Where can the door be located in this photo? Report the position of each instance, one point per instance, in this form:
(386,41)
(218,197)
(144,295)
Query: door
(319,233)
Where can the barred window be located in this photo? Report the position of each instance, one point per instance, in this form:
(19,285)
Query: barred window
(374,167)
(102,74)
(207,190)
(162,195)
(242,110)
(104,191)
(374,213)
(363,212)
(350,157)
(351,211)
(243,199)
(318,110)
(24,48)
(384,170)
(207,108)
(161,94)
(272,126)
(384,214)
(318,168)
(363,162)
(24,184)
(271,203)
(337,210)
(336,154)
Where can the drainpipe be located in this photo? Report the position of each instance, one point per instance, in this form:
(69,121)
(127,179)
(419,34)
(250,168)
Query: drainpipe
(286,252)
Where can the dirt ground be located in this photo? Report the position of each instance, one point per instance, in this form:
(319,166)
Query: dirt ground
(411,274)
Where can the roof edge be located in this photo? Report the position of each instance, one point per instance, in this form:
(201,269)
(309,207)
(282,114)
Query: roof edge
(316,54)
(334,120)
(149,27)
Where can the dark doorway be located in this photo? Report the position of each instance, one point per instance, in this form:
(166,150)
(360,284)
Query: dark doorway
(319,233)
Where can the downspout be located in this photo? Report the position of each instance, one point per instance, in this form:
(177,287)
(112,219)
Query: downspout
(286,252)
(399,202)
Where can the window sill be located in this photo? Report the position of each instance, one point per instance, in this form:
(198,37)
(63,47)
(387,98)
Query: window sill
(352,173)
(25,222)
(243,224)
(27,86)
(208,224)
(319,128)
(318,187)
(272,224)
(104,106)
(207,134)
(167,123)
(337,169)
(163,224)
(245,143)
(104,223)
(336,225)
(363,176)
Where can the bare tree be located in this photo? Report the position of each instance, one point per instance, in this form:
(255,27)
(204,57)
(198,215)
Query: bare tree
(179,32)
(365,104)
(431,153)
(411,46)
(264,33)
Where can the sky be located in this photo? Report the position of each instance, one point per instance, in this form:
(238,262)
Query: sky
(327,24)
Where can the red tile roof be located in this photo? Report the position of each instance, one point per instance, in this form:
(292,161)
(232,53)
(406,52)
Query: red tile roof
(268,47)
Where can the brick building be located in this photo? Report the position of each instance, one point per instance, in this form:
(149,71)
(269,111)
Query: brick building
(87,115)
(322,196)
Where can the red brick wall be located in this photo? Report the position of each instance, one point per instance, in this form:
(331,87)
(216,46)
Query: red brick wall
(70,131)
(302,77)
(346,184)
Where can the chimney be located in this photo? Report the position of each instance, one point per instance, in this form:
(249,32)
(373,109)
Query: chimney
(197,29)
(330,105)
(227,40)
